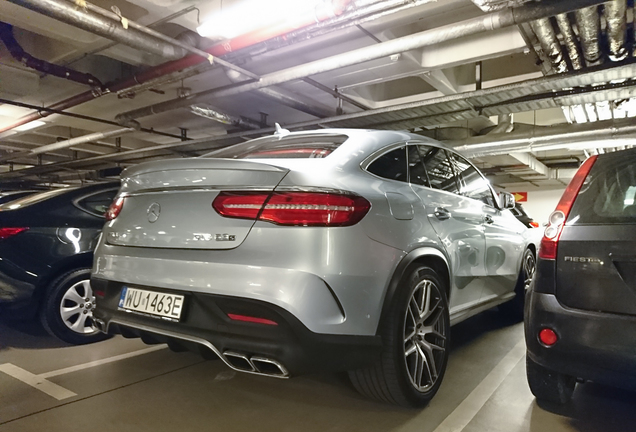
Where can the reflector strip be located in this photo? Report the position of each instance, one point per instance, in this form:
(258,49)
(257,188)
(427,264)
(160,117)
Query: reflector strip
(256,320)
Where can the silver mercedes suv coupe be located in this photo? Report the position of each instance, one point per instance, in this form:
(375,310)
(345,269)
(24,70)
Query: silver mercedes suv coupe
(309,251)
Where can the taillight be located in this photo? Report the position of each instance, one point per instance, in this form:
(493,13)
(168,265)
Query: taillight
(550,240)
(534,224)
(114,208)
(9,232)
(242,205)
(294,208)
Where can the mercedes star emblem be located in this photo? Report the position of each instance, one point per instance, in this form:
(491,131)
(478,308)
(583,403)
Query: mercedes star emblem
(153,212)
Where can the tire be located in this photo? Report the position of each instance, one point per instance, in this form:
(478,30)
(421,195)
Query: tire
(547,385)
(401,376)
(70,291)
(513,309)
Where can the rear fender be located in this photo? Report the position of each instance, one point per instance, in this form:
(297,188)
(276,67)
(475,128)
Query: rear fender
(428,256)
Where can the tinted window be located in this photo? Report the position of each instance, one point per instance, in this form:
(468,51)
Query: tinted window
(440,174)
(391,165)
(417,173)
(276,147)
(609,192)
(98,203)
(472,183)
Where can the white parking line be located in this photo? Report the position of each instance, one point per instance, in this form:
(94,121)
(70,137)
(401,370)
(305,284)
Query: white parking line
(468,409)
(102,361)
(41,383)
(36,382)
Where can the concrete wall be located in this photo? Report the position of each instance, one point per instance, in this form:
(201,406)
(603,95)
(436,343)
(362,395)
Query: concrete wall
(541,203)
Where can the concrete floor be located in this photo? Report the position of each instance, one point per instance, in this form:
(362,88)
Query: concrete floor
(124,385)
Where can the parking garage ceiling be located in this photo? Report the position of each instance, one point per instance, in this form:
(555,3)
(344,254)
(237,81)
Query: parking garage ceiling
(527,89)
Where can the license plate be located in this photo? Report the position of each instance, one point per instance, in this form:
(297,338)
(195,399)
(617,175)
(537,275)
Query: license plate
(168,306)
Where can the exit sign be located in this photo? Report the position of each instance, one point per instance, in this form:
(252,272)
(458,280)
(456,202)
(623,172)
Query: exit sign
(520,196)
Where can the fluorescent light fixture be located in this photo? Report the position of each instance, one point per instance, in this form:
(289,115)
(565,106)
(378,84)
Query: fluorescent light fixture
(250,15)
(579,114)
(591,112)
(604,110)
(28,126)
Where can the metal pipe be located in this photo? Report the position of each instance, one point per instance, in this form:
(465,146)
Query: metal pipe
(616,28)
(283,98)
(175,42)
(18,53)
(570,40)
(496,20)
(549,43)
(554,137)
(589,25)
(67,143)
(191,71)
(49,111)
(214,114)
(335,93)
(153,24)
(504,124)
(65,12)
(216,50)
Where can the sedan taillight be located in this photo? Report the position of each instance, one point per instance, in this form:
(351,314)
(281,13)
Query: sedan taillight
(294,208)
(10,232)
(114,209)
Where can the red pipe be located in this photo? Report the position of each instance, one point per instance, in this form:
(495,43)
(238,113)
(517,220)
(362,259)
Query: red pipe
(217,50)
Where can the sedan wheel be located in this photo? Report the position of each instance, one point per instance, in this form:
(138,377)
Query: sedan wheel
(68,309)
(76,307)
(415,336)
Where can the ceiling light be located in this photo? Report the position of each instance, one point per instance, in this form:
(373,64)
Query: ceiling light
(28,126)
(250,15)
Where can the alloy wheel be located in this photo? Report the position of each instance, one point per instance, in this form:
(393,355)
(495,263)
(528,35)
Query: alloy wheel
(425,335)
(76,307)
(529,267)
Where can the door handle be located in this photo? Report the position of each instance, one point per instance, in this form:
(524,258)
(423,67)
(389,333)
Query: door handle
(441,213)
(488,219)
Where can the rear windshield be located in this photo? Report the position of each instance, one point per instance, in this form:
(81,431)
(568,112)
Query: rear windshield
(290,147)
(608,195)
(31,199)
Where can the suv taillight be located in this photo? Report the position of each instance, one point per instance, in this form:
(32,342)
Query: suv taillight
(294,208)
(10,232)
(550,240)
(114,209)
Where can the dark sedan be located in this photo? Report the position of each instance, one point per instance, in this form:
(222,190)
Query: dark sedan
(46,252)
(581,309)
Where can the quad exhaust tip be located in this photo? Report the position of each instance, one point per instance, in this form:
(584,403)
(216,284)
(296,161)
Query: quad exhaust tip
(255,364)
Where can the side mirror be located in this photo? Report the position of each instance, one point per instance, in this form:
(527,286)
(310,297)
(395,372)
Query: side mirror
(507,200)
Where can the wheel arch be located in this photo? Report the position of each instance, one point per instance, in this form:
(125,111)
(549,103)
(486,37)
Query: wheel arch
(428,256)
(65,265)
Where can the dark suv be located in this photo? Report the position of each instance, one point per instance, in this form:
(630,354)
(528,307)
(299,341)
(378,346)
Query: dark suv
(581,308)
(46,251)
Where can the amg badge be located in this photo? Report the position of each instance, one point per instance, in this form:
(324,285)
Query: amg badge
(217,237)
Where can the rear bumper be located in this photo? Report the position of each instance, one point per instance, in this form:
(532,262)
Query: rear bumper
(205,327)
(592,346)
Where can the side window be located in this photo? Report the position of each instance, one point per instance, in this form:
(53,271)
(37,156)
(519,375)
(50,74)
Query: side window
(98,203)
(391,165)
(438,169)
(417,173)
(472,183)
